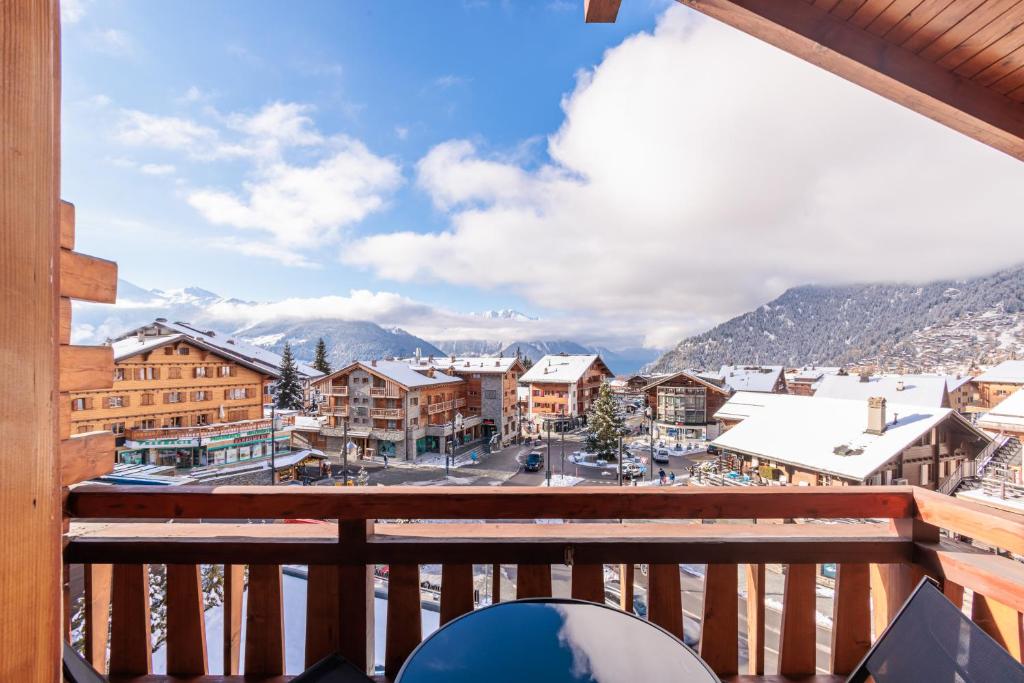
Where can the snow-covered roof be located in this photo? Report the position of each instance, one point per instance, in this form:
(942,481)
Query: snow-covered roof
(743,404)
(1007,372)
(922,390)
(811,432)
(750,377)
(810,373)
(1008,415)
(294,458)
(711,381)
(481,364)
(400,371)
(559,369)
(162,332)
(954,382)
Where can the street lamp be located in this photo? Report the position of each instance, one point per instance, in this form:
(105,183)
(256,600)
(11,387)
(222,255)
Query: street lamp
(620,459)
(563,442)
(273,444)
(344,449)
(650,414)
(547,473)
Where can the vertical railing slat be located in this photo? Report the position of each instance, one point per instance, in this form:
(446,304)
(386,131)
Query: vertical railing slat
(97,613)
(954,592)
(797,637)
(891,585)
(664,599)
(264,622)
(496,584)
(588,582)
(355,596)
(719,642)
(403,628)
(234,587)
(1001,622)
(626,578)
(131,646)
(456,591)
(851,617)
(322,636)
(533,581)
(186,622)
(755,619)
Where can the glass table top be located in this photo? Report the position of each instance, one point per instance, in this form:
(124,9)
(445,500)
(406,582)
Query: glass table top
(550,640)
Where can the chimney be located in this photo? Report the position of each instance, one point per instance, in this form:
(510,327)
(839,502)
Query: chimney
(865,376)
(141,335)
(876,415)
(373,363)
(419,354)
(430,371)
(899,385)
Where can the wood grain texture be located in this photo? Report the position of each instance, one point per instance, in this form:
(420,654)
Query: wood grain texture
(355,597)
(264,621)
(588,582)
(65,320)
(533,581)
(997,577)
(97,613)
(1003,623)
(234,587)
(664,600)
(755,618)
(600,11)
(797,634)
(30,513)
(85,456)
(995,527)
(495,584)
(404,627)
(87,278)
(186,622)
(851,617)
(84,368)
(322,635)
(719,645)
(627,575)
(456,591)
(67,225)
(131,648)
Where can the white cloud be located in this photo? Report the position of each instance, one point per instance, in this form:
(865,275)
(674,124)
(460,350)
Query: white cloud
(450,81)
(71,11)
(112,42)
(157,169)
(402,132)
(264,250)
(140,129)
(699,172)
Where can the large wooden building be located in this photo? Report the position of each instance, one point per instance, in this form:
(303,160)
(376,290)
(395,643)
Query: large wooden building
(683,406)
(563,388)
(998,383)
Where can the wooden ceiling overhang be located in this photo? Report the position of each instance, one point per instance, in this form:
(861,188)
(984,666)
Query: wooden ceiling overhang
(959,62)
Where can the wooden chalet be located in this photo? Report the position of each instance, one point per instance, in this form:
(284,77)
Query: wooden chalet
(684,405)
(957,62)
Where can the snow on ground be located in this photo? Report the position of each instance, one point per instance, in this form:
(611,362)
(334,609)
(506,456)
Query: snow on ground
(562,481)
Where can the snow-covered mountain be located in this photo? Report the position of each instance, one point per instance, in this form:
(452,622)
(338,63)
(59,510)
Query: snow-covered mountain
(506,314)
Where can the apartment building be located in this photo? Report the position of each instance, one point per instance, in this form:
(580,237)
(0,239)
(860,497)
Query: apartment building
(683,406)
(389,407)
(563,388)
(997,383)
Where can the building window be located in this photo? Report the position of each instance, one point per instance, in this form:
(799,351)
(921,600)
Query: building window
(414,401)
(174,373)
(172,397)
(117,428)
(414,422)
(149,373)
(115,401)
(200,371)
(147,399)
(392,424)
(118,374)
(234,394)
(202,419)
(490,394)
(175,421)
(182,350)
(84,429)
(80,403)
(147,424)
(201,396)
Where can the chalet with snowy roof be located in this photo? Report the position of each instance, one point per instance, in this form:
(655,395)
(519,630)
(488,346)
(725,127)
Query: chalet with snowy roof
(764,378)
(683,405)
(999,382)
(838,442)
(629,385)
(922,390)
(806,380)
(563,387)
(743,404)
(1007,417)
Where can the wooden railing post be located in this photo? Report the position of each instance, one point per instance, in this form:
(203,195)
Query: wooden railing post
(495,584)
(456,591)
(797,636)
(131,645)
(355,595)
(892,584)
(404,628)
(588,582)
(851,617)
(234,587)
(264,622)
(664,598)
(1003,623)
(626,578)
(97,613)
(755,619)
(186,621)
(533,581)
(322,622)
(719,645)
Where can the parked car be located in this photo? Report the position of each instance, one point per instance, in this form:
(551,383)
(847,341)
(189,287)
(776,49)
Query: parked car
(661,456)
(713,449)
(534,462)
(631,470)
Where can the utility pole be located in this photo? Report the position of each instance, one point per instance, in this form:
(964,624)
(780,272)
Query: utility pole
(344,449)
(273,444)
(563,442)
(620,459)
(547,474)
(650,413)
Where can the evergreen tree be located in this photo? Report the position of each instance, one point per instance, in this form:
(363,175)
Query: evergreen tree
(605,425)
(288,394)
(320,361)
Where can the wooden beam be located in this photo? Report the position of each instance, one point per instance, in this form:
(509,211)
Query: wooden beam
(234,587)
(65,320)
(811,33)
(1001,622)
(627,574)
(755,619)
(356,597)
(67,225)
(30,501)
(456,591)
(664,599)
(87,278)
(131,647)
(264,621)
(999,578)
(533,581)
(97,613)
(85,456)
(186,623)
(86,368)
(588,582)
(404,628)
(797,636)
(851,617)
(322,635)
(995,527)
(600,11)
(719,646)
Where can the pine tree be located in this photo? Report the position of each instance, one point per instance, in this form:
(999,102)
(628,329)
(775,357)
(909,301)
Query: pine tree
(288,394)
(320,361)
(605,425)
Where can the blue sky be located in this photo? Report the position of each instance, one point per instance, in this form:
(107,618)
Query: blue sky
(412,162)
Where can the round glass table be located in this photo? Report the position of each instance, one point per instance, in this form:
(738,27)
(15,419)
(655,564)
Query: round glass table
(551,640)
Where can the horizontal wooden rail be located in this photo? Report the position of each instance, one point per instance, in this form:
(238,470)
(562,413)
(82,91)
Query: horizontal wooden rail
(486,502)
(983,523)
(996,577)
(485,543)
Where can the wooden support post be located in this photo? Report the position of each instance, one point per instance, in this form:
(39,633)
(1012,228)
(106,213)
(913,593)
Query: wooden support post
(234,587)
(496,584)
(131,646)
(97,613)
(322,635)
(588,582)
(797,637)
(355,597)
(264,622)
(719,634)
(954,592)
(533,581)
(755,619)
(456,591)
(851,617)
(404,628)
(626,577)
(186,621)
(1003,623)
(664,598)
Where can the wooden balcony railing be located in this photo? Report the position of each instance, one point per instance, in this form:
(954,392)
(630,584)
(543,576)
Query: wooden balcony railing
(384,392)
(205,431)
(338,411)
(337,390)
(879,563)
(387,413)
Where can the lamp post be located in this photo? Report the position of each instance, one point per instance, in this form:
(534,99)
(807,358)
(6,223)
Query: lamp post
(650,414)
(563,442)
(273,444)
(620,459)
(547,469)
(344,449)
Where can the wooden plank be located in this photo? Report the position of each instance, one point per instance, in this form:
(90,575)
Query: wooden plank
(355,597)
(797,635)
(600,11)
(87,278)
(995,527)
(30,512)
(322,635)
(954,592)
(65,320)
(950,16)
(488,502)
(506,543)
(916,19)
(889,17)
(851,617)
(67,225)
(456,591)
(264,622)
(186,622)
(998,60)
(974,33)
(588,582)
(234,588)
(404,629)
(871,62)
(131,648)
(868,11)
(891,585)
(626,578)
(495,584)
(1009,82)
(97,613)
(719,645)
(755,618)
(999,578)
(533,581)
(85,456)
(1003,623)
(664,599)
(85,368)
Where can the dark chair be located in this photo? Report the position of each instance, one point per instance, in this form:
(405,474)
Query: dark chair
(77,669)
(332,669)
(931,640)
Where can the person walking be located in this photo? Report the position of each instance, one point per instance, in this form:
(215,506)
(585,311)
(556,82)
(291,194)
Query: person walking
(672,478)
(661,476)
